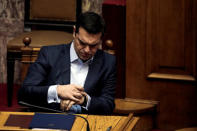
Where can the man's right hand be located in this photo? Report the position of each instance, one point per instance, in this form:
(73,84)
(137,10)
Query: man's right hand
(70,92)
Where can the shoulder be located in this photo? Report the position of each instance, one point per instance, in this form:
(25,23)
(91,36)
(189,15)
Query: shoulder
(54,51)
(54,48)
(106,56)
(107,59)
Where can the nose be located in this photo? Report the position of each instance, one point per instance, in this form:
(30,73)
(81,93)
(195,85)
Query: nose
(87,49)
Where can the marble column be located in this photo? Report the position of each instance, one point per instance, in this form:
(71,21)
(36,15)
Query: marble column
(11,25)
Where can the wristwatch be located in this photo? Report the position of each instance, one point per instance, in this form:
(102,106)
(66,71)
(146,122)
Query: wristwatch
(84,102)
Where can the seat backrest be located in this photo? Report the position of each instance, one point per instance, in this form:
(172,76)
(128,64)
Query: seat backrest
(50,14)
(31,42)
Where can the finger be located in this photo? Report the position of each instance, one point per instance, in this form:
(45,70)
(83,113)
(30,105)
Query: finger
(80,88)
(78,95)
(69,105)
(75,99)
(83,93)
(62,105)
(72,97)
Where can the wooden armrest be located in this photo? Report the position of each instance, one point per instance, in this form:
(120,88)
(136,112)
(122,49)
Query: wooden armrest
(129,105)
(188,129)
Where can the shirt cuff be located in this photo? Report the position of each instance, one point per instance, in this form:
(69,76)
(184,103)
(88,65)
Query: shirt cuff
(52,95)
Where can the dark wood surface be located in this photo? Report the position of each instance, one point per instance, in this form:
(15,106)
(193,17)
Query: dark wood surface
(115,17)
(161,58)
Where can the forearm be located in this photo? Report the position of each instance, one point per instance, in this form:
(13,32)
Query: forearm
(99,105)
(33,94)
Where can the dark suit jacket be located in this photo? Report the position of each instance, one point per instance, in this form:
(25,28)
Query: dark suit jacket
(52,67)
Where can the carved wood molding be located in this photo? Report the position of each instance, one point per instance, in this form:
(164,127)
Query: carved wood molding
(171,77)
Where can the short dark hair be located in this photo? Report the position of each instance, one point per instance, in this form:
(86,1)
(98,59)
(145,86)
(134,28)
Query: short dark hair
(91,22)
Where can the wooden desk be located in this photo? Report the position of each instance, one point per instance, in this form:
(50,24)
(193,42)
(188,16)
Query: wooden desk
(96,122)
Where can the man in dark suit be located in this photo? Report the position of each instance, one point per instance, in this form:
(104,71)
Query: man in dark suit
(76,77)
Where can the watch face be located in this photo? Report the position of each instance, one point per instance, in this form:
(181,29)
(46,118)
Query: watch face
(85,101)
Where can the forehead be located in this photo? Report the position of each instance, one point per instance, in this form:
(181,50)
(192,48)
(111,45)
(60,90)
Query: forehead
(87,37)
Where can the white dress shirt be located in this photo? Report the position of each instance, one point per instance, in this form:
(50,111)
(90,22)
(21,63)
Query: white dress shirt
(79,71)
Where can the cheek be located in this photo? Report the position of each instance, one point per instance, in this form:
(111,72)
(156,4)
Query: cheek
(94,51)
(79,48)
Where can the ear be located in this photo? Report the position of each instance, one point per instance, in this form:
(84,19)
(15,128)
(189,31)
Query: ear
(74,31)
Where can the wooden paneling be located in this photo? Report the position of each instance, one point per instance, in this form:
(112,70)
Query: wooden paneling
(161,58)
(169,46)
(114,16)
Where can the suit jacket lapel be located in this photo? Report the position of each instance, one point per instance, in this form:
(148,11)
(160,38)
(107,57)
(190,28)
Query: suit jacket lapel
(63,66)
(94,68)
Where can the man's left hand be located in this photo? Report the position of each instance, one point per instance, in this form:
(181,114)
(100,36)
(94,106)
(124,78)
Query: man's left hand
(65,105)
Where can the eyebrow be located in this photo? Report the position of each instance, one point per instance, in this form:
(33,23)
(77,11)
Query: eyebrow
(84,43)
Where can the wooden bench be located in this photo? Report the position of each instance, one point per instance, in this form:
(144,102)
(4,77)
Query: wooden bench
(27,54)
